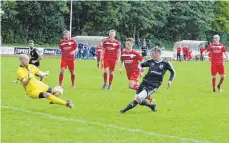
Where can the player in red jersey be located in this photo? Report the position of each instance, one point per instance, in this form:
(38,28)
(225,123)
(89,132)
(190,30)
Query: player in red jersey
(68,48)
(131,58)
(179,54)
(216,50)
(202,49)
(110,54)
(98,53)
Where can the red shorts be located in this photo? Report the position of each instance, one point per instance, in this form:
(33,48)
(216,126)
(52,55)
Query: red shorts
(70,64)
(217,68)
(133,75)
(109,64)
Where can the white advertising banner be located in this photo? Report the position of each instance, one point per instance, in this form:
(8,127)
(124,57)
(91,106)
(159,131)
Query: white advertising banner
(7,50)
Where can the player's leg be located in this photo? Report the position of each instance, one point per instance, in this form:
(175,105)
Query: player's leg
(38,94)
(105,74)
(140,98)
(37,65)
(133,84)
(98,60)
(71,67)
(63,66)
(221,71)
(213,73)
(111,71)
(179,57)
(55,99)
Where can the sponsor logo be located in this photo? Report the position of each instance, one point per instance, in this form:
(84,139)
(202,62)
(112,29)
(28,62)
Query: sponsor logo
(19,50)
(114,44)
(50,51)
(128,61)
(129,55)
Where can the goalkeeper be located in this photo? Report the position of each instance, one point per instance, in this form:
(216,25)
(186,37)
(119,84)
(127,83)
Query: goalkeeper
(33,87)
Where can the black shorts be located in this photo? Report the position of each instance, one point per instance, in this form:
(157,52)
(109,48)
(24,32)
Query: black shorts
(41,95)
(150,88)
(35,64)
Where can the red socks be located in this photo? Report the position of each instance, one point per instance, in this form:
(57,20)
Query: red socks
(213,83)
(110,79)
(221,81)
(73,79)
(61,77)
(105,77)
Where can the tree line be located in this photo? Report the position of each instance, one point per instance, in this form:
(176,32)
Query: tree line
(159,21)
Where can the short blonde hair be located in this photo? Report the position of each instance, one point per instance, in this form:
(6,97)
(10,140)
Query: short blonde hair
(112,30)
(130,40)
(216,36)
(30,42)
(65,31)
(23,56)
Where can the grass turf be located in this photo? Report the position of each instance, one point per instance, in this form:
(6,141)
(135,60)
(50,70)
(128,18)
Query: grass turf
(187,112)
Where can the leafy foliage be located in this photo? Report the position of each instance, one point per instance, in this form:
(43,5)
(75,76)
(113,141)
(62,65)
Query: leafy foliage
(158,21)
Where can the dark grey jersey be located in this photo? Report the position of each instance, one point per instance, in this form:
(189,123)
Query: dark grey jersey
(34,53)
(157,70)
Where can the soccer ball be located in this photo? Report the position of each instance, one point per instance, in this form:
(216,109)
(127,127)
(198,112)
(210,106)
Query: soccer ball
(58,91)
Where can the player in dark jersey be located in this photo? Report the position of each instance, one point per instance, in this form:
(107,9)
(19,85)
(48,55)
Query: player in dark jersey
(35,54)
(152,80)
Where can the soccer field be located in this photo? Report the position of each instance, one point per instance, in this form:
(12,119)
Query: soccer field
(187,112)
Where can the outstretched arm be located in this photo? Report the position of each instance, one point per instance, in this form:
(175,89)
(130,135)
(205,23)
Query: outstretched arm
(172,74)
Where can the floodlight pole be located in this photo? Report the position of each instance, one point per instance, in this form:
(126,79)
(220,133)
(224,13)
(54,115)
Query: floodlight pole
(71,20)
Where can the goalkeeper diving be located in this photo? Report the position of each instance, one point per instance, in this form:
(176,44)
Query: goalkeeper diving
(34,88)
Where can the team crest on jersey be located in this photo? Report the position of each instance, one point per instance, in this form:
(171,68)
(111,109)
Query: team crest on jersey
(161,66)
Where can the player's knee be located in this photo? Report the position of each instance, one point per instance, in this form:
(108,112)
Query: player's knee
(112,72)
(72,72)
(131,85)
(61,71)
(141,96)
(106,70)
(222,76)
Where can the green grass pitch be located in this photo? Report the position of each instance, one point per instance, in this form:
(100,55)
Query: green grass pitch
(187,112)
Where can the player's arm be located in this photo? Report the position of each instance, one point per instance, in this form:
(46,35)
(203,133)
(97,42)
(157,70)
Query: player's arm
(142,65)
(102,52)
(225,53)
(121,66)
(23,78)
(39,56)
(74,48)
(119,52)
(172,73)
(36,71)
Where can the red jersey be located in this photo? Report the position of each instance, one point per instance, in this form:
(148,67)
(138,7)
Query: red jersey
(178,50)
(111,49)
(185,50)
(202,49)
(131,60)
(99,50)
(66,47)
(216,51)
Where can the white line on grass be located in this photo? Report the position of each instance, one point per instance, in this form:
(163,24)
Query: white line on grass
(106,125)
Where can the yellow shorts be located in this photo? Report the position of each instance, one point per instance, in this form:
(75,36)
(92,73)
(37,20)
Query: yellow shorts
(36,89)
